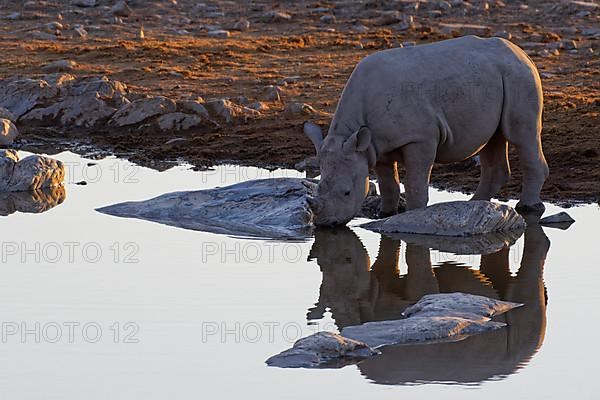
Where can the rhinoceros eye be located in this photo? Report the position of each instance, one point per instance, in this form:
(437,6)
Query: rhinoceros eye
(347,193)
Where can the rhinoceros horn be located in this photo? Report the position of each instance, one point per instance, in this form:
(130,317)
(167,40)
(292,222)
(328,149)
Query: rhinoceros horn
(315,135)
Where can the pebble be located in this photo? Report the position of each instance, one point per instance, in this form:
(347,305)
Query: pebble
(220,34)
(60,66)
(327,19)
(242,25)
(8,132)
(121,9)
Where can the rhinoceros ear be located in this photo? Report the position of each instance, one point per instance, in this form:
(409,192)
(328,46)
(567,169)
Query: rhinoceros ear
(359,141)
(315,135)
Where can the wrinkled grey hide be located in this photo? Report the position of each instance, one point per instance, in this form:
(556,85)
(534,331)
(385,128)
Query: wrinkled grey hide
(442,102)
(447,316)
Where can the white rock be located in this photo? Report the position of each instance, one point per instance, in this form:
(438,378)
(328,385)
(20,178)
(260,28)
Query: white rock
(242,25)
(60,66)
(454,218)
(276,16)
(178,121)
(272,93)
(560,218)
(121,9)
(299,108)
(82,33)
(31,173)
(19,95)
(82,102)
(220,34)
(142,109)
(227,111)
(193,107)
(8,132)
(268,208)
(319,350)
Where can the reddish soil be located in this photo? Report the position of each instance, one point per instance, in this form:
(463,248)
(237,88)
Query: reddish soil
(322,55)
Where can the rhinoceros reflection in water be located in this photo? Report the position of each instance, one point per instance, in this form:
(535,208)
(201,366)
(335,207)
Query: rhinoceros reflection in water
(37,201)
(356,293)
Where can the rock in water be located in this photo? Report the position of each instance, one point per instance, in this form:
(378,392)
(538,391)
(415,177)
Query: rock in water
(267,208)
(562,218)
(455,218)
(31,173)
(323,349)
(447,316)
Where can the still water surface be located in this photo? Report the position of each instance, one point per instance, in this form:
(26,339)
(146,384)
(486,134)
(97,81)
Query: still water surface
(96,307)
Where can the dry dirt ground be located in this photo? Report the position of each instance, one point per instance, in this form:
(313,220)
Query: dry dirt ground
(316,49)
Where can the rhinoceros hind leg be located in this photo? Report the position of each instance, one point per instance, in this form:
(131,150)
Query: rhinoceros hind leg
(495,169)
(525,135)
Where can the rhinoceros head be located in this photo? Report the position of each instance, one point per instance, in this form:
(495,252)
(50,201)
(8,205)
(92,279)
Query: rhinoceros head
(344,164)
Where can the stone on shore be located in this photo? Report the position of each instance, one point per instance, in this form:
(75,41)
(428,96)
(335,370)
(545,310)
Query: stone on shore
(455,218)
(60,66)
(31,173)
(8,132)
(82,102)
(226,111)
(178,121)
(142,109)
(19,95)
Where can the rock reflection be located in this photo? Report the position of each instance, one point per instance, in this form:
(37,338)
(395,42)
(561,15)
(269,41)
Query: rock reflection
(356,292)
(34,202)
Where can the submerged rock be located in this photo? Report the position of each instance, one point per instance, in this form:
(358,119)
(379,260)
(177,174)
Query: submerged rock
(269,208)
(436,317)
(31,173)
(323,349)
(455,218)
(562,219)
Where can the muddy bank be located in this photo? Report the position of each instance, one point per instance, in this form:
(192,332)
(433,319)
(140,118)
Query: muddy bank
(289,62)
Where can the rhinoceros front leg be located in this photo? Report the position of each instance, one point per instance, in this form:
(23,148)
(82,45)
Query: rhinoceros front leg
(418,161)
(389,186)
